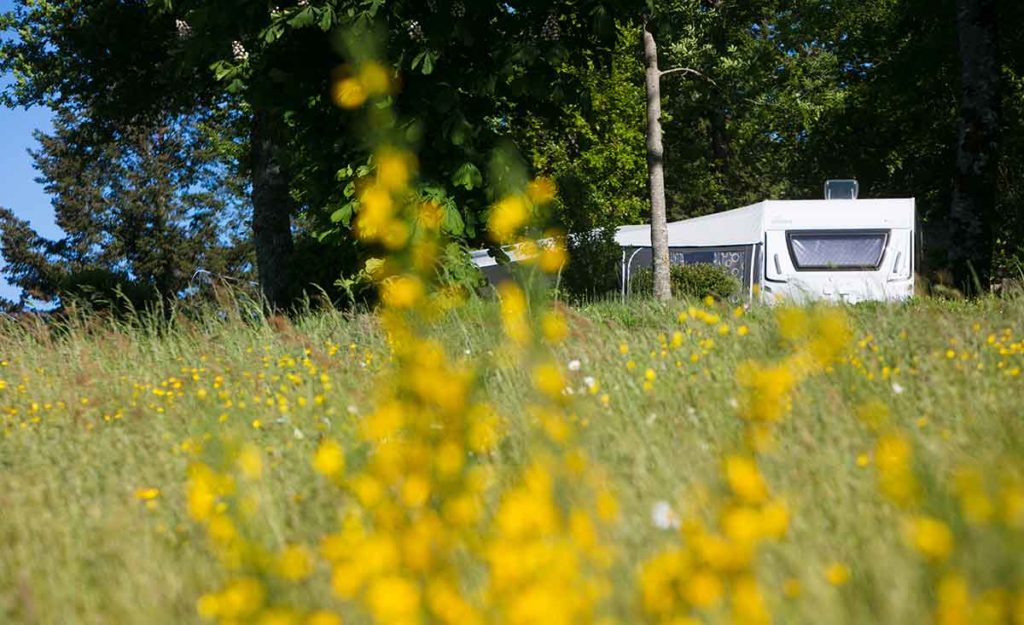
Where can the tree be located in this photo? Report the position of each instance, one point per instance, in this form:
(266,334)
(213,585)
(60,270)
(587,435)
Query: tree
(655,167)
(276,66)
(142,211)
(974,189)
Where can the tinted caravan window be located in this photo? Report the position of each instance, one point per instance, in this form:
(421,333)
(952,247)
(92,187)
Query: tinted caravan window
(837,250)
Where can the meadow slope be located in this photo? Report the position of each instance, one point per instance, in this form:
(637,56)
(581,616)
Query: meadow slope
(100,421)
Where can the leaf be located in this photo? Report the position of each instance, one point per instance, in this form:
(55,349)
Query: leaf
(327,19)
(344,214)
(468,177)
(273,33)
(428,64)
(416,60)
(303,18)
(425,61)
(373,265)
(451,220)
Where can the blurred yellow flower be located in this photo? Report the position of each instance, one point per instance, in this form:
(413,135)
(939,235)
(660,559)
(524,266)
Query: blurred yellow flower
(745,479)
(931,537)
(147,494)
(541,190)
(295,563)
(348,93)
(329,458)
(507,217)
(402,292)
(837,574)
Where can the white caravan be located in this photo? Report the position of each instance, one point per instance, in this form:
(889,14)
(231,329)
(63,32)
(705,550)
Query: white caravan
(840,250)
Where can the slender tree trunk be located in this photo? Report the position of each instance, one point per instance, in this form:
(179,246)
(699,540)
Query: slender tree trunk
(655,170)
(271,208)
(973,207)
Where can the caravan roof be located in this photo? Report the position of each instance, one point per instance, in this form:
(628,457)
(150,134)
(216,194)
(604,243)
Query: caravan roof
(746,225)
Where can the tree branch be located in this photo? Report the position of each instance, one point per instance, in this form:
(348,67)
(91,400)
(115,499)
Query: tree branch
(687,70)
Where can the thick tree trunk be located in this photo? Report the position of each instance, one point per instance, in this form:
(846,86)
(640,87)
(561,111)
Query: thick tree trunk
(655,171)
(973,207)
(271,208)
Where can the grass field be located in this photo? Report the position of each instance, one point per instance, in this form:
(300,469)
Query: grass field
(101,421)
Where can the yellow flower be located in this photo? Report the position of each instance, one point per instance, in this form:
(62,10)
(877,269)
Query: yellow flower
(554,327)
(295,563)
(704,589)
(323,617)
(415,491)
(402,291)
(393,169)
(375,78)
(931,537)
(774,519)
(329,459)
(792,588)
(793,322)
(541,190)
(552,258)
(147,494)
(745,480)
(394,599)
(514,313)
(507,217)
(348,93)
(548,379)
(241,598)
(954,601)
(250,462)
(767,391)
(837,574)
(748,603)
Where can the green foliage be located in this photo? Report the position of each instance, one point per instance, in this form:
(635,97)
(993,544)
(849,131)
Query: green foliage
(692,281)
(594,149)
(594,265)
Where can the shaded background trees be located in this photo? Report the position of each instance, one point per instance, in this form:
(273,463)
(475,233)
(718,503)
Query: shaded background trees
(795,92)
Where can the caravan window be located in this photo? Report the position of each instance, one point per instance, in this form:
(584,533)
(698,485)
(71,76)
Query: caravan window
(831,250)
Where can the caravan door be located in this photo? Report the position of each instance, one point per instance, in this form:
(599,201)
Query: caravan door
(850,265)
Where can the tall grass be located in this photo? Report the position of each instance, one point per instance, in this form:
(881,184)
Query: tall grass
(96,414)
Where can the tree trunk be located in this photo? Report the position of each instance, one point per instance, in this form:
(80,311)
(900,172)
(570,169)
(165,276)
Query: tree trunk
(655,171)
(973,207)
(271,208)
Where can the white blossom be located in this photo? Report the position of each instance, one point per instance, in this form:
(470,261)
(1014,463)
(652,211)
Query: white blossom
(574,365)
(663,516)
(239,51)
(184,30)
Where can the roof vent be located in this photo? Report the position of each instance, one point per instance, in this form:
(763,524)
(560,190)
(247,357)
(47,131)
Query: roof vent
(841,189)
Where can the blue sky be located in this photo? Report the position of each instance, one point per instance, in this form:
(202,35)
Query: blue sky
(18,189)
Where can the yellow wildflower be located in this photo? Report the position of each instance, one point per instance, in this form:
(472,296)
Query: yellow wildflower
(931,537)
(837,574)
(329,459)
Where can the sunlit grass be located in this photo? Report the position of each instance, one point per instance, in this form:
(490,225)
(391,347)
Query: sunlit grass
(100,422)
